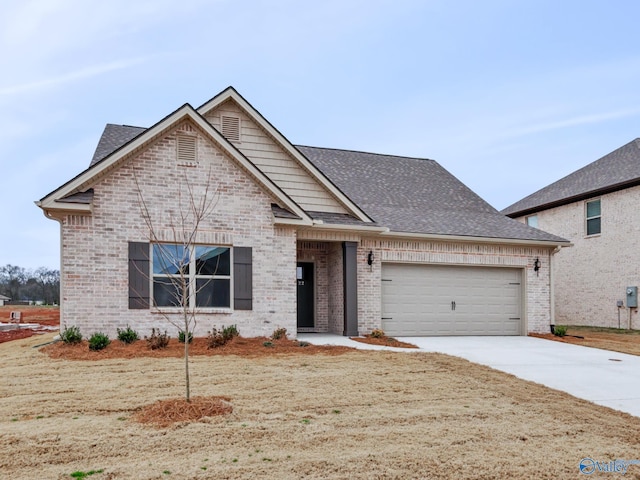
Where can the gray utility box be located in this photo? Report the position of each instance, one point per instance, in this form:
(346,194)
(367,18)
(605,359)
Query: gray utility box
(632,297)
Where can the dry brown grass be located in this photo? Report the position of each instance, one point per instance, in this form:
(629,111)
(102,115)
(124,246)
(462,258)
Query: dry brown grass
(357,415)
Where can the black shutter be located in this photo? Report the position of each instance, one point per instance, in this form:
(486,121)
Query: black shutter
(139,275)
(242,279)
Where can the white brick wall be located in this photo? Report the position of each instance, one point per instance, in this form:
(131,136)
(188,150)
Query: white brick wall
(593,274)
(95,258)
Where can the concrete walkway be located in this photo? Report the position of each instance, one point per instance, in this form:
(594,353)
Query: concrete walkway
(606,378)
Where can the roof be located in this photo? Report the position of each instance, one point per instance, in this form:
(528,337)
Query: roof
(404,194)
(414,195)
(113,137)
(3,298)
(615,171)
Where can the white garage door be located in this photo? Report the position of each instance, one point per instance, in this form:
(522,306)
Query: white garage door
(446,300)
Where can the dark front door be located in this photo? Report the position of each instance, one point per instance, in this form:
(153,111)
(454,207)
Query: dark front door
(304,279)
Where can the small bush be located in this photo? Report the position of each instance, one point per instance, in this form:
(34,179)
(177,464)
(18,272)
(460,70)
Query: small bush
(218,338)
(230,332)
(303,344)
(71,335)
(128,335)
(279,333)
(157,339)
(268,344)
(560,330)
(181,336)
(377,333)
(98,341)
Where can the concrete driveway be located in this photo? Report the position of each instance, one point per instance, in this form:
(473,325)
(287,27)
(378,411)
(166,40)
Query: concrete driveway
(606,378)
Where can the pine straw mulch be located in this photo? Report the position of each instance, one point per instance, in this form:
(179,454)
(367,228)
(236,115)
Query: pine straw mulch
(383,341)
(245,347)
(165,413)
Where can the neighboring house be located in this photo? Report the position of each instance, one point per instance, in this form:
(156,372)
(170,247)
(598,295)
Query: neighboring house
(3,300)
(309,239)
(596,208)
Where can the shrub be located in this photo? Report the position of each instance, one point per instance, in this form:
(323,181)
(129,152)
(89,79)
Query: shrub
(230,332)
(377,333)
(279,333)
(268,344)
(303,344)
(218,338)
(181,336)
(560,330)
(157,339)
(71,335)
(128,335)
(98,341)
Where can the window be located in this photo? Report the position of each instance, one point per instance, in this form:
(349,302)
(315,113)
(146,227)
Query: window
(532,221)
(203,273)
(593,217)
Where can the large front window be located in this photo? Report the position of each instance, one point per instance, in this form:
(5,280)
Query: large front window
(193,276)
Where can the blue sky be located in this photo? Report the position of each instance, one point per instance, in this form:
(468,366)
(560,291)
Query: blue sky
(507,95)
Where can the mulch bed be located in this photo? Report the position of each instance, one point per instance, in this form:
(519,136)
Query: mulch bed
(383,341)
(165,413)
(246,347)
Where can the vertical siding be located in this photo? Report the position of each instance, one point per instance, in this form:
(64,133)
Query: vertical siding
(278,165)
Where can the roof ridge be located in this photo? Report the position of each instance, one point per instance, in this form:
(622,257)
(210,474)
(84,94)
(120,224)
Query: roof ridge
(366,153)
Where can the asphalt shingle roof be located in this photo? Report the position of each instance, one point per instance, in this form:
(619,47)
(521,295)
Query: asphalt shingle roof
(414,195)
(616,170)
(410,195)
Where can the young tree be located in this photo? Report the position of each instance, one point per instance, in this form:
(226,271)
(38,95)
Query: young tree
(178,259)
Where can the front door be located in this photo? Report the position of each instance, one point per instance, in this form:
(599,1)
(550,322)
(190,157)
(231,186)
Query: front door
(304,279)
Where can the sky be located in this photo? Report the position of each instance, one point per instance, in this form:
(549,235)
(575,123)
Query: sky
(507,95)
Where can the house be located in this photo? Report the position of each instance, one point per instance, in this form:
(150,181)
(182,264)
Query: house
(595,208)
(303,238)
(3,300)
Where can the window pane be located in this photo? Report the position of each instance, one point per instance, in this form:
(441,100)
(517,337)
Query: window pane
(593,226)
(167,293)
(213,261)
(593,209)
(213,293)
(532,221)
(170,259)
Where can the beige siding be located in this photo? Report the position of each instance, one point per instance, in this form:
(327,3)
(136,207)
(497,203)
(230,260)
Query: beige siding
(593,274)
(277,164)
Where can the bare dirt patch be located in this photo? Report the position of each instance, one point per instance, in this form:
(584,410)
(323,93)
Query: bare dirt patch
(359,415)
(43,316)
(623,341)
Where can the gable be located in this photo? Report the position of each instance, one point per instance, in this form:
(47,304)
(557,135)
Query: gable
(85,180)
(273,160)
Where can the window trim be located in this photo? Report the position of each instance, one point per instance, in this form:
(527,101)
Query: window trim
(587,218)
(192,278)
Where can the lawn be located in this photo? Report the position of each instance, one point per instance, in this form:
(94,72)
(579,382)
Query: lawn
(358,414)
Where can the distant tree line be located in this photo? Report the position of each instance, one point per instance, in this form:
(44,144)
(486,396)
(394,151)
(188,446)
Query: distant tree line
(39,285)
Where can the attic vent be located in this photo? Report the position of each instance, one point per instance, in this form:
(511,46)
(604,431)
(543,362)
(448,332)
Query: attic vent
(186,149)
(230,127)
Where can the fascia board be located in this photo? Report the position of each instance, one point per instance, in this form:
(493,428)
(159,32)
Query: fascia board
(231,93)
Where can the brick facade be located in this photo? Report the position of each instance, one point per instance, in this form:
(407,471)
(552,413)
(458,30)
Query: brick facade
(95,248)
(592,275)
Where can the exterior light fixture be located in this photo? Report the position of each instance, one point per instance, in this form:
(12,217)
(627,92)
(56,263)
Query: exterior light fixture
(370,258)
(536,266)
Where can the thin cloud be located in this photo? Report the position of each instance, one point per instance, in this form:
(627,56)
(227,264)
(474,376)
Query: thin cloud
(572,122)
(81,74)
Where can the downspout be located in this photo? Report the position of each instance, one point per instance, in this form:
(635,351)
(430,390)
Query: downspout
(552,290)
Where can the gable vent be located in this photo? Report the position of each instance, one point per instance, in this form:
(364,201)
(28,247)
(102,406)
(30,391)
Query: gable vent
(186,148)
(230,127)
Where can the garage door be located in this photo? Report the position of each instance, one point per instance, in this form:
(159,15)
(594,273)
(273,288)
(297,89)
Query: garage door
(446,300)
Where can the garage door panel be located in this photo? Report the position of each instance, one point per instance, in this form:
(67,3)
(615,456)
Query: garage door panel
(417,300)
